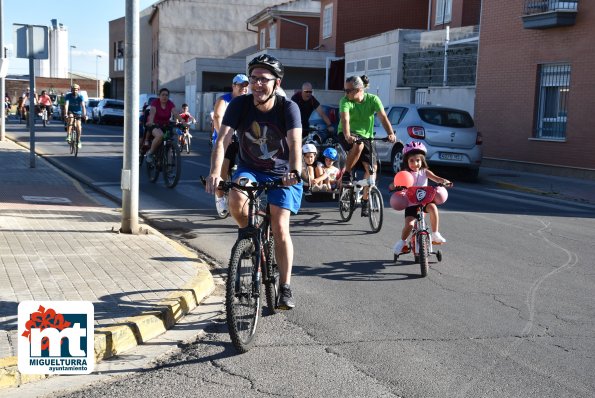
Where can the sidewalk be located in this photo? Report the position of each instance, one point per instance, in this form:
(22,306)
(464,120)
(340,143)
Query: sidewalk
(57,243)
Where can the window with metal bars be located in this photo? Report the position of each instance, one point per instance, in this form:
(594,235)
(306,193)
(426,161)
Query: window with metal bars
(552,101)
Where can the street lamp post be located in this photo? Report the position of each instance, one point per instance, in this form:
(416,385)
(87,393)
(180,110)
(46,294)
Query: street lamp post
(71,47)
(96,74)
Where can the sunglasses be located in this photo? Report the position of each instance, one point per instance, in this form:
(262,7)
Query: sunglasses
(261,80)
(350,90)
(308,91)
(242,84)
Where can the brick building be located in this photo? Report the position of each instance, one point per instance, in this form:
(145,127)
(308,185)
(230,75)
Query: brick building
(534,94)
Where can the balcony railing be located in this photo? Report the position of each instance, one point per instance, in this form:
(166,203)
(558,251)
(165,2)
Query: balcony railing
(543,14)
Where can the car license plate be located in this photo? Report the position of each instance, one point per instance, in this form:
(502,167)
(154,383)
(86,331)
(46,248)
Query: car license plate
(451,156)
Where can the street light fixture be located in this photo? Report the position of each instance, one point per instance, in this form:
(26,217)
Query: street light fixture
(71,47)
(96,75)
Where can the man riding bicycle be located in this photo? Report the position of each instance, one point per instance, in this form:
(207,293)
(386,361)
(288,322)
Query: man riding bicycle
(74,109)
(269,132)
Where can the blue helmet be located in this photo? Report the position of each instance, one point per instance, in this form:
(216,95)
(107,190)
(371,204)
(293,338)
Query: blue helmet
(330,153)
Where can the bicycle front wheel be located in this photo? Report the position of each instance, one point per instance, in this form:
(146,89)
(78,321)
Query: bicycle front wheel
(172,165)
(153,167)
(376,209)
(424,253)
(242,296)
(187,144)
(271,282)
(346,203)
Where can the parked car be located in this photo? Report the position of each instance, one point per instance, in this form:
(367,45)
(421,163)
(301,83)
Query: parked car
(91,104)
(109,110)
(449,135)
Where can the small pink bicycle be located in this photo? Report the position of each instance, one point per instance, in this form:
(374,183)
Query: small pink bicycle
(420,241)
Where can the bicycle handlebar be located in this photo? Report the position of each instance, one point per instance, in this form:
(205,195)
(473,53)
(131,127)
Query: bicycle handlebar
(277,183)
(401,188)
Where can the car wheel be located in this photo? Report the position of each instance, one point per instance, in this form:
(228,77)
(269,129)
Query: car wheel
(396,158)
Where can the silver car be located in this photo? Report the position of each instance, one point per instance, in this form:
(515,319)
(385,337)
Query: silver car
(448,134)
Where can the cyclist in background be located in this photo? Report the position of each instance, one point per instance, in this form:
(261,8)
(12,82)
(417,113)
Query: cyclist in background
(162,110)
(45,101)
(74,109)
(269,132)
(239,86)
(357,110)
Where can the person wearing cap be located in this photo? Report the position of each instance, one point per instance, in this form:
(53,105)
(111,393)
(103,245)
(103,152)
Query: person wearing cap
(269,131)
(239,87)
(74,109)
(308,104)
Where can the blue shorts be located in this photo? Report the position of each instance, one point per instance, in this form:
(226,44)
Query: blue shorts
(289,198)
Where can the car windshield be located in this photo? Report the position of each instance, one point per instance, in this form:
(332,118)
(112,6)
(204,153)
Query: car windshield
(92,103)
(446,117)
(114,105)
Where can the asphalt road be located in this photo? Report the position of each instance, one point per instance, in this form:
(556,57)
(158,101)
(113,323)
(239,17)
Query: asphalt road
(509,312)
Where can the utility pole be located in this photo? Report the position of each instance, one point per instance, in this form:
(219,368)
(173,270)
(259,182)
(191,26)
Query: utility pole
(2,77)
(129,179)
(96,74)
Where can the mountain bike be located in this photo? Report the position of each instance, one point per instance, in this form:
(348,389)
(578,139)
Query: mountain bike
(166,159)
(251,265)
(420,241)
(350,195)
(75,134)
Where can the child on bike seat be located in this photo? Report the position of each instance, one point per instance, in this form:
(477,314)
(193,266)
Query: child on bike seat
(329,170)
(312,173)
(414,161)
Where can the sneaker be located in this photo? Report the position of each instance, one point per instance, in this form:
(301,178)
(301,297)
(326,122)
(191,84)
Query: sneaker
(68,138)
(346,178)
(149,158)
(437,239)
(221,204)
(400,247)
(365,208)
(286,300)
(80,144)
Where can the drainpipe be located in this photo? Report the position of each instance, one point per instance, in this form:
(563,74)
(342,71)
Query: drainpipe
(248,28)
(295,22)
(429,14)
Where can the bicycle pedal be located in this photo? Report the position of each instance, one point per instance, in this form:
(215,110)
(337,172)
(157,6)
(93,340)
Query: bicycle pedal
(405,250)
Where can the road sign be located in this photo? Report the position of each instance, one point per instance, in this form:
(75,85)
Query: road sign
(31,41)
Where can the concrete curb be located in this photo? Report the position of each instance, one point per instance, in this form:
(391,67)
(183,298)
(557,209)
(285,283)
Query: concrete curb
(111,341)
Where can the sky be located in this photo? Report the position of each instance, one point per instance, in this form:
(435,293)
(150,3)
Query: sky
(88,29)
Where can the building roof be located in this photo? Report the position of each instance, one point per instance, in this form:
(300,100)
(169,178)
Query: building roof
(295,8)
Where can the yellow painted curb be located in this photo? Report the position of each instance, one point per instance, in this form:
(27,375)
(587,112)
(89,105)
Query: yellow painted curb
(114,340)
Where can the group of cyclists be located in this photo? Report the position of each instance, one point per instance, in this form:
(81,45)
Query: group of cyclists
(266,130)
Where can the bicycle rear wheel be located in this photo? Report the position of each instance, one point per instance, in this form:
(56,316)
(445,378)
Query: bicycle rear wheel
(242,296)
(346,203)
(424,253)
(271,282)
(376,209)
(172,165)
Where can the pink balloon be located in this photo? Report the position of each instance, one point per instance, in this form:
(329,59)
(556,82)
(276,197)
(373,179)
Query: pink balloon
(398,200)
(441,195)
(403,179)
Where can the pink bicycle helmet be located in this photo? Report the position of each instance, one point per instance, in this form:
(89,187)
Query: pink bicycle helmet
(414,146)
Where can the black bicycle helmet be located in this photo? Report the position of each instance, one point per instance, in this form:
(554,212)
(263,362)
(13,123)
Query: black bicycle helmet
(268,62)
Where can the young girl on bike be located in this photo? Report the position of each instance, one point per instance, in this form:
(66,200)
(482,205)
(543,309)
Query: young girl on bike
(414,161)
